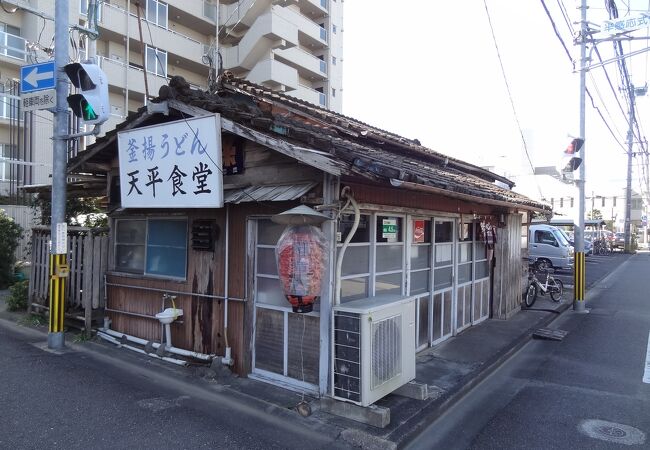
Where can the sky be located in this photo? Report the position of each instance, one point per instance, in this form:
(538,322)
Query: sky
(430,70)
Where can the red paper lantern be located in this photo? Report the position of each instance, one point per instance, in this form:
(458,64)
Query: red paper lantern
(301,255)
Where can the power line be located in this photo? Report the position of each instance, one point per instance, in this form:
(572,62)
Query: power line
(512,103)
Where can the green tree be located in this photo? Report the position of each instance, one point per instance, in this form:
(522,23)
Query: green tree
(73,208)
(11,233)
(595,214)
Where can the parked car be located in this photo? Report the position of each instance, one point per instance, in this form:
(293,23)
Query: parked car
(588,246)
(619,241)
(548,247)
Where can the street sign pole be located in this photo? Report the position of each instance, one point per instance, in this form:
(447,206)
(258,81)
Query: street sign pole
(58,251)
(579,275)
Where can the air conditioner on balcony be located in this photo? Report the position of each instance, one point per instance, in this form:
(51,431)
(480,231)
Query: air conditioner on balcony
(374,348)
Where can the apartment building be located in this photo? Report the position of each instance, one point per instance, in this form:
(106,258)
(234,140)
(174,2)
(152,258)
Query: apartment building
(294,46)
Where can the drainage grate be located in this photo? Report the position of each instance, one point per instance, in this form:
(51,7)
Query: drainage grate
(547,333)
(612,432)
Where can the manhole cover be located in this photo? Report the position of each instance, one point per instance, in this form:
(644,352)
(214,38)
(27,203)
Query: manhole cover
(612,432)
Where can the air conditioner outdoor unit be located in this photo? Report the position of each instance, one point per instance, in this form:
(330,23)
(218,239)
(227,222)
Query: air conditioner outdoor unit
(374,348)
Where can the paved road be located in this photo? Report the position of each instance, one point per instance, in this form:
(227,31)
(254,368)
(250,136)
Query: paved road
(597,268)
(586,392)
(76,400)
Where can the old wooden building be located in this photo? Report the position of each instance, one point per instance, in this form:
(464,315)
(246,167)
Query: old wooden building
(430,227)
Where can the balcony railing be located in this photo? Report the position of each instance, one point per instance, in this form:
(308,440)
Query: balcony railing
(123,11)
(12,46)
(323,34)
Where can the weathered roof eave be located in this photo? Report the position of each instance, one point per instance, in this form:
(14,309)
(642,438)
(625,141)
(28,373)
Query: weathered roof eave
(488,201)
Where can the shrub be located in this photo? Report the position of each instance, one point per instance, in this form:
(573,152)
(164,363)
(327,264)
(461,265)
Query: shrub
(11,233)
(17,299)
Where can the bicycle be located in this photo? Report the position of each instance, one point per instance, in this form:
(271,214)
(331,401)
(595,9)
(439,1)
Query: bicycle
(554,287)
(602,247)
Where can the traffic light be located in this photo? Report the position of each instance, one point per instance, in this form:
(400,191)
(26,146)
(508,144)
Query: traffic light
(90,103)
(570,159)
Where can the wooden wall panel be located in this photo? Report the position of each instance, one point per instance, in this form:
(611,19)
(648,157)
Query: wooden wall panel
(508,271)
(380,195)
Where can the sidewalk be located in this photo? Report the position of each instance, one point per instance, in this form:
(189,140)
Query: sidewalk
(449,370)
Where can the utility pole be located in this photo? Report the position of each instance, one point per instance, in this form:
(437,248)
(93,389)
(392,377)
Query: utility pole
(632,93)
(58,250)
(628,187)
(579,261)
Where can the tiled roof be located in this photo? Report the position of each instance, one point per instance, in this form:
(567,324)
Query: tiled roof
(365,150)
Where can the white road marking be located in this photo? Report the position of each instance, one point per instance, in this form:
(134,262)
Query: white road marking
(646,373)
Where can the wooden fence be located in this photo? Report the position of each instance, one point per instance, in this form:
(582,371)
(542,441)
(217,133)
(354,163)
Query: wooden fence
(87,259)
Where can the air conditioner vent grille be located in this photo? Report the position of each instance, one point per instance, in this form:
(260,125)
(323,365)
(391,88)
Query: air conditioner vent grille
(386,348)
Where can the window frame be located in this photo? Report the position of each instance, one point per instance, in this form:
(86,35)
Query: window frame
(158,4)
(157,60)
(143,271)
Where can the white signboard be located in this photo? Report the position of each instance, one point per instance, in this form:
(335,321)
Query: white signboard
(626,24)
(172,165)
(38,100)
(61,238)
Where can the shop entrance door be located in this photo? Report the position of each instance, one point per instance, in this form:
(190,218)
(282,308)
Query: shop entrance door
(285,344)
(443,279)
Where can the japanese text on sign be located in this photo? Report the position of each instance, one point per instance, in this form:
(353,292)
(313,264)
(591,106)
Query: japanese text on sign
(625,24)
(172,165)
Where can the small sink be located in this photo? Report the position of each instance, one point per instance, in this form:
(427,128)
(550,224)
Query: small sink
(169,315)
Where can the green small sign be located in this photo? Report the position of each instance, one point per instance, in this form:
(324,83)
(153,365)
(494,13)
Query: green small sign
(389,229)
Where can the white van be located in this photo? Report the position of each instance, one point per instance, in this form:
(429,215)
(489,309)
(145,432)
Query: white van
(548,247)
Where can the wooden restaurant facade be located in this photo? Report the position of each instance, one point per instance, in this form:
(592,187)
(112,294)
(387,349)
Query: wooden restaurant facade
(428,226)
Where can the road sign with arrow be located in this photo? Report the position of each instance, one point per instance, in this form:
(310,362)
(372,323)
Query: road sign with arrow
(37,77)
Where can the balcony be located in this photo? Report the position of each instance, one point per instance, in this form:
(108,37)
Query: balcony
(305,63)
(270,31)
(12,48)
(114,24)
(310,95)
(310,33)
(314,8)
(274,75)
(131,78)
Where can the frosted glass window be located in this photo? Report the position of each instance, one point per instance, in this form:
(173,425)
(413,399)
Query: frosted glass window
(481,250)
(389,257)
(131,231)
(442,278)
(129,258)
(444,254)
(464,252)
(482,269)
(464,273)
(354,288)
(420,282)
(420,256)
(388,284)
(166,261)
(444,232)
(266,263)
(268,233)
(356,260)
(269,291)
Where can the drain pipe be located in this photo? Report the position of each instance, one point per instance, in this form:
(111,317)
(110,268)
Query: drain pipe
(112,340)
(227,359)
(339,260)
(137,340)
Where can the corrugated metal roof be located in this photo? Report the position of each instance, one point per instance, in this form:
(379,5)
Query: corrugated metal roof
(272,192)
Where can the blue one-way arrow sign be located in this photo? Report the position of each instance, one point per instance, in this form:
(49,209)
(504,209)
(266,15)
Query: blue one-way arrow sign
(36,77)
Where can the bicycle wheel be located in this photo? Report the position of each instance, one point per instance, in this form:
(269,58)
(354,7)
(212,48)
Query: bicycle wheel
(557,290)
(531,295)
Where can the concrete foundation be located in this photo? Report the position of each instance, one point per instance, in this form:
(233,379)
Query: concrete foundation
(373,415)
